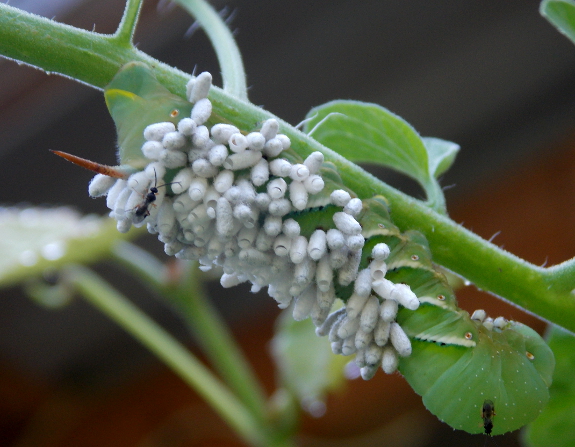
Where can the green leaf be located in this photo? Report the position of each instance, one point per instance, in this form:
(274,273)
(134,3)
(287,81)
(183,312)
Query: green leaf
(37,239)
(441,154)
(368,133)
(556,420)
(305,361)
(561,14)
(135,100)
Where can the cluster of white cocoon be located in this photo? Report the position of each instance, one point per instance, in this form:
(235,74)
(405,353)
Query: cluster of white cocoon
(481,316)
(218,218)
(366,326)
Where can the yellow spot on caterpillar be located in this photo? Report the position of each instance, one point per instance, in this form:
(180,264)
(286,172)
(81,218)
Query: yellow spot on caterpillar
(529,355)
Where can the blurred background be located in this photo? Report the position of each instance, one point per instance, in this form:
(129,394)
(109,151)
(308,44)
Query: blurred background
(492,76)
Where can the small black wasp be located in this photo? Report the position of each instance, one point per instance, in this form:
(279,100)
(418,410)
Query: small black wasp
(143,210)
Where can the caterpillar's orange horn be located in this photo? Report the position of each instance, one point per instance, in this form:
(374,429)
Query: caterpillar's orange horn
(92,166)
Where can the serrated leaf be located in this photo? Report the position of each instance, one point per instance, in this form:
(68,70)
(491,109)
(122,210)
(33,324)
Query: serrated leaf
(556,420)
(441,154)
(305,361)
(561,14)
(36,239)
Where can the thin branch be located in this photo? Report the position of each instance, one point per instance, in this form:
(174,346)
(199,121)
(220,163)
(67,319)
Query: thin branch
(229,56)
(435,196)
(218,343)
(141,263)
(108,300)
(125,32)
(204,321)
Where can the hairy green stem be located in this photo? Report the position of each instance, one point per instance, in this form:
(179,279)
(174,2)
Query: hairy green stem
(55,47)
(125,32)
(227,51)
(94,59)
(435,197)
(108,300)
(212,333)
(561,275)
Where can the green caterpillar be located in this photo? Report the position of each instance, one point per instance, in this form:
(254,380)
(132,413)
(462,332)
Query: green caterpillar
(136,99)
(456,363)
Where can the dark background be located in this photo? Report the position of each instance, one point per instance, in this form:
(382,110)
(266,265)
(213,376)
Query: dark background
(493,76)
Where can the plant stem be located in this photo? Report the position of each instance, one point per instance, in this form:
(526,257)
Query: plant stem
(55,47)
(227,51)
(210,330)
(435,197)
(141,263)
(165,347)
(125,32)
(94,59)
(218,343)
(545,292)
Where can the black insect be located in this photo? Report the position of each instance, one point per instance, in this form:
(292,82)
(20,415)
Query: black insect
(143,210)
(487,414)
